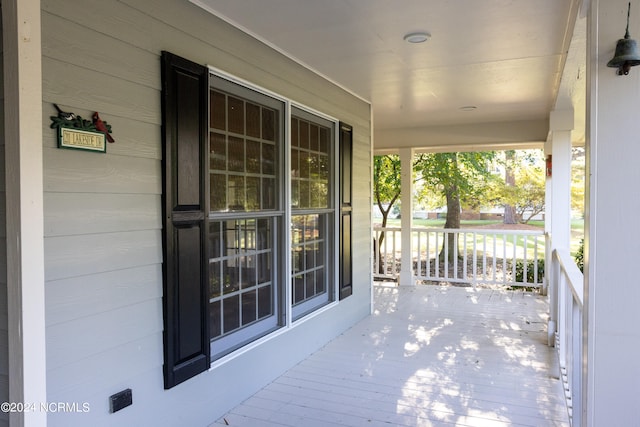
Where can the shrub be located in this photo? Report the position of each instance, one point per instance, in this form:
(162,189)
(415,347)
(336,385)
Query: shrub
(579,256)
(530,271)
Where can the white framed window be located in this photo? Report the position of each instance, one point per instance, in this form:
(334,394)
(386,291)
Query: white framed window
(312,211)
(246,214)
(257,209)
(249,176)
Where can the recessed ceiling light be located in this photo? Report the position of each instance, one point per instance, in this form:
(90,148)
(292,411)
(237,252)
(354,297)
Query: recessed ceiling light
(417,37)
(468,108)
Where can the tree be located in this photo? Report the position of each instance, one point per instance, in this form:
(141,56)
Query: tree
(530,192)
(577,179)
(386,191)
(460,177)
(386,183)
(510,182)
(527,194)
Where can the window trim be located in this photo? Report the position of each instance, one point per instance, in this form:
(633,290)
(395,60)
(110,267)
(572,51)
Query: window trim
(336,201)
(285,275)
(245,335)
(307,307)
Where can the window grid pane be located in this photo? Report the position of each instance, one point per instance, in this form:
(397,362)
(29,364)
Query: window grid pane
(308,257)
(310,165)
(246,214)
(242,155)
(240,273)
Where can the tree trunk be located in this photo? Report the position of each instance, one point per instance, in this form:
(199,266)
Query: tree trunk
(510,216)
(453,221)
(377,249)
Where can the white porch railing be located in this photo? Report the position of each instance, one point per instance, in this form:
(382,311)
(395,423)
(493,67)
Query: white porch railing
(505,257)
(386,256)
(570,284)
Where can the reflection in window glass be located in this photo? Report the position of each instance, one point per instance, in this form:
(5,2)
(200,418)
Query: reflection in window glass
(242,154)
(245,212)
(311,211)
(240,270)
(307,245)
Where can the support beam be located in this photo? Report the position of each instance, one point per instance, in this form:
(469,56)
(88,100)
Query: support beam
(24,194)
(406,213)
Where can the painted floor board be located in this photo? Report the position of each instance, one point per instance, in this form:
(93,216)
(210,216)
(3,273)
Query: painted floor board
(427,356)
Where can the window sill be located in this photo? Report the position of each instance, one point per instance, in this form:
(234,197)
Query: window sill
(251,346)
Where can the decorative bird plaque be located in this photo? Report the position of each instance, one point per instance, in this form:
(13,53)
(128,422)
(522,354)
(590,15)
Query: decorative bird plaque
(78,133)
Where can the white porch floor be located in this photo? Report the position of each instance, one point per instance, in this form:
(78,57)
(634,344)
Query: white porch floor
(428,356)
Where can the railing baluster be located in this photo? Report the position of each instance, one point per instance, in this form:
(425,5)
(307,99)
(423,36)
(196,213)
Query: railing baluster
(475,259)
(484,258)
(495,257)
(419,260)
(513,262)
(504,259)
(428,254)
(428,242)
(525,244)
(436,263)
(393,248)
(445,243)
(455,255)
(535,260)
(465,256)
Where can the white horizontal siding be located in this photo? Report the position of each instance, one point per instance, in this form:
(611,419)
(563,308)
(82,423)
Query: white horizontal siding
(72,256)
(101,213)
(103,250)
(98,374)
(83,296)
(70,342)
(71,84)
(78,171)
(95,50)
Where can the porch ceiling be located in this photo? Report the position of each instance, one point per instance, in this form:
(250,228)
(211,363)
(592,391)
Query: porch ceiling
(504,57)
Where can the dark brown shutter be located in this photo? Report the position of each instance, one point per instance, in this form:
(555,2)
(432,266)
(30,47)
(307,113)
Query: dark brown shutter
(184,130)
(346,166)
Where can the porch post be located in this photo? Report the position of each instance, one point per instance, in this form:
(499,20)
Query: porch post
(549,288)
(612,290)
(406,214)
(558,218)
(561,125)
(24,208)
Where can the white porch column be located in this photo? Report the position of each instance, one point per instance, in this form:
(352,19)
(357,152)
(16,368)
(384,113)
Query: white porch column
(24,188)
(406,213)
(612,234)
(561,125)
(558,218)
